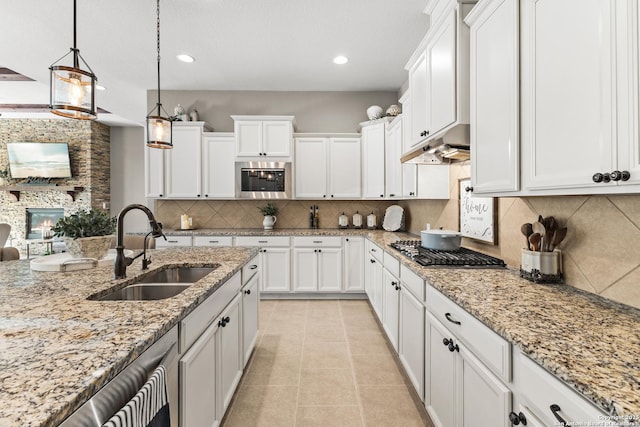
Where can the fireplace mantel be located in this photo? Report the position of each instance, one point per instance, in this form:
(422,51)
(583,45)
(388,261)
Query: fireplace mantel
(16,189)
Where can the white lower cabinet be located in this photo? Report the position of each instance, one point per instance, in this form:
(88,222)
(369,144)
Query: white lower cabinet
(250,301)
(353,256)
(275,261)
(373,283)
(212,240)
(390,306)
(317,264)
(198,380)
(460,390)
(411,338)
(230,361)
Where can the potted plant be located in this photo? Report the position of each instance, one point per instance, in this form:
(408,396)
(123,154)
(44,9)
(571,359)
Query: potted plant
(87,234)
(269,211)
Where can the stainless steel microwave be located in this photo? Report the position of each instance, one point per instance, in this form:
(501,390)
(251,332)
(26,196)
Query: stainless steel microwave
(263,180)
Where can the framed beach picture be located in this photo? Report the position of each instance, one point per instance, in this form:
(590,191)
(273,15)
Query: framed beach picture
(478,215)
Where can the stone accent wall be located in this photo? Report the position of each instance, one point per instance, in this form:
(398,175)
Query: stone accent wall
(89,151)
(245,213)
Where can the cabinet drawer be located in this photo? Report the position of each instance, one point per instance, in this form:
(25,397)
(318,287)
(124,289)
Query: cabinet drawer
(173,241)
(195,323)
(250,269)
(539,390)
(391,264)
(212,240)
(271,241)
(374,250)
(318,241)
(414,283)
(489,347)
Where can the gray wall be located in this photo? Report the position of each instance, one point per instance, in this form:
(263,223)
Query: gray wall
(314,111)
(127,175)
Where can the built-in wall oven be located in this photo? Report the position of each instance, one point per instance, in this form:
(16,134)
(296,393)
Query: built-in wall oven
(263,180)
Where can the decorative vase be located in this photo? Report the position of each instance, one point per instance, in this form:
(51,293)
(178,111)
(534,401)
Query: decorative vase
(374,112)
(88,247)
(194,115)
(541,267)
(268,222)
(393,110)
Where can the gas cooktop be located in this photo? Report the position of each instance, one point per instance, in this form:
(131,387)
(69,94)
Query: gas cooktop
(463,257)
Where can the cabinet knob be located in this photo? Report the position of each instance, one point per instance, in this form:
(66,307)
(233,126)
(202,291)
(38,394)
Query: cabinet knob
(397,288)
(223,322)
(373,261)
(616,176)
(324,196)
(198,195)
(319,250)
(453,347)
(517,419)
(394,283)
(332,195)
(597,177)
(392,195)
(382,195)
(447,341)
(347,239)
(206,195)
(248,292)
(625,176)
(468,189)
(426,132)
(554,410)
(160,195)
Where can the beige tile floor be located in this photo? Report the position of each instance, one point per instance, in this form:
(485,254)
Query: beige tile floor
(322,363)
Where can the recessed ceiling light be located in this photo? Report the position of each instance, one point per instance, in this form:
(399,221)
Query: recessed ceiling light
(99,87)
(186,58)
(340,60)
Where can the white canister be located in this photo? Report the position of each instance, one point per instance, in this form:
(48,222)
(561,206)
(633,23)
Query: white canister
(372,221)
(343,221)
(357,220)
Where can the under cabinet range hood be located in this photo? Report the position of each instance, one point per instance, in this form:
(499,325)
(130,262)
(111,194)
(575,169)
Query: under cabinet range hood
(451,146)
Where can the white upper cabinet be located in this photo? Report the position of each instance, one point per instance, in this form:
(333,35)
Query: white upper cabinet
(183,161)
(418,123)
(154,172)
(373,159)
(393,152)
(263,136)
(328,167)
(218,161)
(494,83)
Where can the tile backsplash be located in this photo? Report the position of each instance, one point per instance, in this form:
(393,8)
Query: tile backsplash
(599,252)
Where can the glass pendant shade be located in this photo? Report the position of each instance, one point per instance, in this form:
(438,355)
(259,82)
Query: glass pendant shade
(159,132)
(72,93)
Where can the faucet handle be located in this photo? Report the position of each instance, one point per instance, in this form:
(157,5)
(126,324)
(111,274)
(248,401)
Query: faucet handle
(145,263)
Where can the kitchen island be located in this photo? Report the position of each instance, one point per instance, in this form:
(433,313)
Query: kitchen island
(57,348)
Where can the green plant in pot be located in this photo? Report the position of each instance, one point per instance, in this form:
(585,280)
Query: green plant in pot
(269,211)
(87,234)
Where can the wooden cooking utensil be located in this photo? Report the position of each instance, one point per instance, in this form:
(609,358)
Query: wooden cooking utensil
(527,230)
(539,228)
(558,237)
(535,239)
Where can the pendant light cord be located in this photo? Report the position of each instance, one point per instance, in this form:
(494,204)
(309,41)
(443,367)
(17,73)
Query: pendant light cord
(158,40)
(75,47)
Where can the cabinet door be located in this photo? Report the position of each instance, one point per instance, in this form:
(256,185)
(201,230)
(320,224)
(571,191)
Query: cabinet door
(373,161)
(250,301)
(629,94)
(568,98)
(485,401)
(231,358)
(311,167)
(198,378)
(407,110)
(276,138)
(330,270)
(409,180)
(418,96)
(182,163)
(276,269)
(411,339)
(353,264)
(373,284)
(248,138)
(154,172)
(441,74)
(344,168)
(305,269)
(390,306)
(440,375)
(393,167)
(218,166)
(495,143)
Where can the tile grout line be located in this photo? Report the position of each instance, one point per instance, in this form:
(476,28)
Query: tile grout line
(304,340)
(353,372)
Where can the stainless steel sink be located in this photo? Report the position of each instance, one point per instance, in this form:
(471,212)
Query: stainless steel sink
(159,285)
(146,292)
(177,275)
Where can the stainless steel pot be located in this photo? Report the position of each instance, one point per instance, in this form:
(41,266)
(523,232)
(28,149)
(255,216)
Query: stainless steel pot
(443,240)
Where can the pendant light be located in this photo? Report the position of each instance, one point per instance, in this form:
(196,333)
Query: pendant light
(73,89)
(158,126)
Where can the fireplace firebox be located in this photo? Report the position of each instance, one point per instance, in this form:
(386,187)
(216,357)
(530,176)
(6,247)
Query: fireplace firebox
(40,221)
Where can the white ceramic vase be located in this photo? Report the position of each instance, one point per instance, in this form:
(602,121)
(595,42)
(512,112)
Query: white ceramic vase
(268,222)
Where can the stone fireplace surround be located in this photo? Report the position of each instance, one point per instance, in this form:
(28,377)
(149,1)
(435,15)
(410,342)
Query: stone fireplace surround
(89,151)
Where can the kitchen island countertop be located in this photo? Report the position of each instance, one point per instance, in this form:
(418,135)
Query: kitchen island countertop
(57,348)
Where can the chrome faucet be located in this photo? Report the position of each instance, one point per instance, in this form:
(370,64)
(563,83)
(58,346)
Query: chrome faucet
(121,262)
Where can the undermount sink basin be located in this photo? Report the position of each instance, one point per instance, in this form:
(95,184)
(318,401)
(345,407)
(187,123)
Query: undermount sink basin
(159,285)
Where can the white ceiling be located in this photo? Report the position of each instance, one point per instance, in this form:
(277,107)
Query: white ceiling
(282,45)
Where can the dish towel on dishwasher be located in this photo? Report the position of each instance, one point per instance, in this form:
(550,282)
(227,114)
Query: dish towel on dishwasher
(148,408)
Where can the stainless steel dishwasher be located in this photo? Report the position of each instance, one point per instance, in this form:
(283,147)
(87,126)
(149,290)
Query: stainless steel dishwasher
(117,392)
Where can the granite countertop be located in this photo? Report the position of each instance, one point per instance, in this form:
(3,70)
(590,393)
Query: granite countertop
(57,348)
(589,342)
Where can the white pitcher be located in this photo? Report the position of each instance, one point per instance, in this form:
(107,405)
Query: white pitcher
(268,222)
